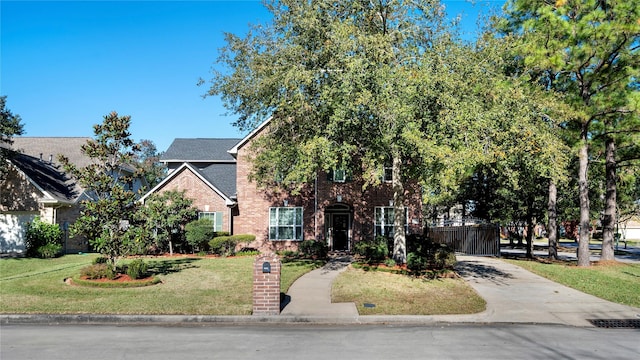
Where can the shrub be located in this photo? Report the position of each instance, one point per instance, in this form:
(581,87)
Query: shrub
(314,249)
(100,260)
(43,240)
(98,271)
(198,233)
(223,245)
(226,245)
(49,251)
(375,250)
(137,269)
(427,255)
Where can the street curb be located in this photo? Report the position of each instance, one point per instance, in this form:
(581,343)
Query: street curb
(239,320)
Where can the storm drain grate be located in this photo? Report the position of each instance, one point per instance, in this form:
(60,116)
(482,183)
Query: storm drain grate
(616,323)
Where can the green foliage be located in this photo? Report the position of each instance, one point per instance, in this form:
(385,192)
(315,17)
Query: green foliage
(314,249)
(108,220)
(43,239)
(49,251)
(226,245)
(223,245)
(588,52)
(148,162)
(199,232)
(98,271)
(100,260)
(165,215)
(137,269)
(427,255)
(373,251)
(9,126)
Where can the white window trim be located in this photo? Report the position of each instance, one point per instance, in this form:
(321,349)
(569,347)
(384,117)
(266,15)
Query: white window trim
(216,226)
(382,224)
(298,223)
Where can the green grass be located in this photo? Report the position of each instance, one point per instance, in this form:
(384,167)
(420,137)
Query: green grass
(395,294)
(616,282)
(197,286)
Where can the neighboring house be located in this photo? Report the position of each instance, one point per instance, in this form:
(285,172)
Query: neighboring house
(333,209)
(37,185)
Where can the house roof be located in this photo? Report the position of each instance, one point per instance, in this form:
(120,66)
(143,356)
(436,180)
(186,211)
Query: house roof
(50,147)
(221,178)
(48,178)
(234,150)
(199,150)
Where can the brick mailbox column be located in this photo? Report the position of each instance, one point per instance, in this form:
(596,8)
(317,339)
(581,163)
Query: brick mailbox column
(266,285)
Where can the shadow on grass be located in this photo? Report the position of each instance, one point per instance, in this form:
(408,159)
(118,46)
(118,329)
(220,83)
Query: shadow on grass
(170,266)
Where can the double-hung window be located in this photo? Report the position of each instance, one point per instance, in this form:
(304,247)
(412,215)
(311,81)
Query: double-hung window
(215,217)
(384,221)
(285,223)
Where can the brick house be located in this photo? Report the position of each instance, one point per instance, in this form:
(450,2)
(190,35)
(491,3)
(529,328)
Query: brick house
(333,209)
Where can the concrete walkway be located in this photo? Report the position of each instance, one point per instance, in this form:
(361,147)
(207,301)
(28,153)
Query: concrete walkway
(310,295)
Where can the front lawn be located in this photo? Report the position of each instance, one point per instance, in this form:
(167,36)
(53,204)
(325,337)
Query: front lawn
(191,285)
(383,293)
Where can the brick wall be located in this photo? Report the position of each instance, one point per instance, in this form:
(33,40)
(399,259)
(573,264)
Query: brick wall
(204,198)
(254,203)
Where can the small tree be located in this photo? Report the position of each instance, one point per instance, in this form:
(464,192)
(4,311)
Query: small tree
(164,214)
(107,219)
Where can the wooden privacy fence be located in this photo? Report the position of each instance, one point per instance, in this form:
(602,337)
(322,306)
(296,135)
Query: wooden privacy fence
(483,239)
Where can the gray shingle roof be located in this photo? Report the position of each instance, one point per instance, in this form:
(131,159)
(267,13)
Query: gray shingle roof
(49,177)
(52,147)
(200,150)
(222,176)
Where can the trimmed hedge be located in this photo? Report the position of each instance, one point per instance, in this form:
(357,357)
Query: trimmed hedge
(226,245)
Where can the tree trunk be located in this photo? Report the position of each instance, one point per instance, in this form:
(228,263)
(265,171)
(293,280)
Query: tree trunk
(552,226)
(609,221)
(583,195)
(399,237)
(529,234)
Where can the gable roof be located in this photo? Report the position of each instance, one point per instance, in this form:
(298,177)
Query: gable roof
(221,178)
(50,147)
(199,150)
(234,150)
(48,178)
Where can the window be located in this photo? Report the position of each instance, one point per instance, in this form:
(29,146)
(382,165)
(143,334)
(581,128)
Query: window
(384,221)
(215,217)
(339,175)
(388,173)
(285,223)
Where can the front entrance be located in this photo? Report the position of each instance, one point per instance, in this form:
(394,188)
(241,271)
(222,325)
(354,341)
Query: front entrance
(340,232)
(338,227)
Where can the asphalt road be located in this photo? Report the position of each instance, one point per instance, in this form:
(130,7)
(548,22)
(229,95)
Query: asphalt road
(71,342)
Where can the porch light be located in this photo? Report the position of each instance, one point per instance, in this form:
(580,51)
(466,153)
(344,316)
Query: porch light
(286,203)
(390,202)
(339,198)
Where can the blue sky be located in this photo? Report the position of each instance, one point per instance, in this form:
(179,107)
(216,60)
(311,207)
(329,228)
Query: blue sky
(66,64)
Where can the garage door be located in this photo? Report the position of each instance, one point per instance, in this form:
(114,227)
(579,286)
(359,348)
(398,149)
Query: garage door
(12,231)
